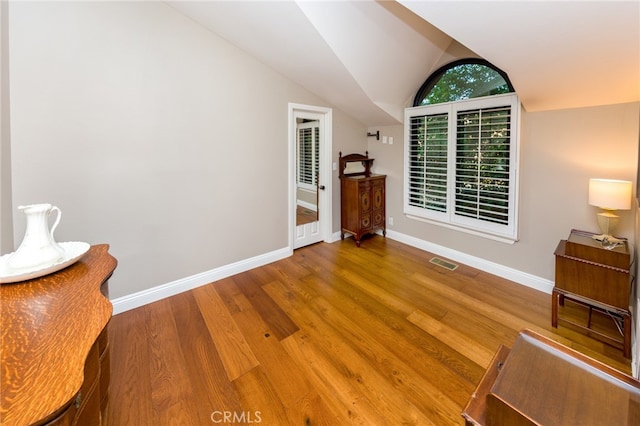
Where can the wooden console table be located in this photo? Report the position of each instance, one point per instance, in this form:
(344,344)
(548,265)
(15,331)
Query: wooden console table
(596,277)
(55,352)
(541,382)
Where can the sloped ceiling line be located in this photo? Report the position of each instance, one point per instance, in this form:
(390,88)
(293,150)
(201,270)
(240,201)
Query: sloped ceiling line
(368,58)
(379,45)
(558,54)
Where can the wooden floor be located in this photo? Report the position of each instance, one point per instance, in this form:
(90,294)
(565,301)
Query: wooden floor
(333,335)
(305,215)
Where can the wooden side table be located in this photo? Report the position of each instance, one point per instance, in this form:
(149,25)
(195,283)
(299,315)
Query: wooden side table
(541,382)
(596,277)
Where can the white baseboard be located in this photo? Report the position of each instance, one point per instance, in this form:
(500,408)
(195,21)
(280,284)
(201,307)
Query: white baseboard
(141,298)
(312,207)
(144,297)
(502,271)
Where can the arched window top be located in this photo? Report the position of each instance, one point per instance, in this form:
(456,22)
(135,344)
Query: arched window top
(463,79)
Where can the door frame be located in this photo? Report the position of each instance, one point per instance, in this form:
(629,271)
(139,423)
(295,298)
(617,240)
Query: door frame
(325,197)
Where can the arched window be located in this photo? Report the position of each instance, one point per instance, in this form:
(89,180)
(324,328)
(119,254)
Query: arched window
(463,79)
(461,151)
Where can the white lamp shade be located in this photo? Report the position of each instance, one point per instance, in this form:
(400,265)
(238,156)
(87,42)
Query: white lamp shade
(610,194)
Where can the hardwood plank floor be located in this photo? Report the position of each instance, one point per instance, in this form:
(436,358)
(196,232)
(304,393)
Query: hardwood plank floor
(333,335)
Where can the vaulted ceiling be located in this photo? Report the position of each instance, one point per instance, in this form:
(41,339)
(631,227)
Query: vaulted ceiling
(369,58)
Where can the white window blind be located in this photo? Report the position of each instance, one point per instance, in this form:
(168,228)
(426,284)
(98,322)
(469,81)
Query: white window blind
(482,164)
(460,164)
(428,162)
(308,154)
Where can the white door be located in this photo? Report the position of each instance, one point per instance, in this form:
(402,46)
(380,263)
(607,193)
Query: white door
(308,141)
(312,175)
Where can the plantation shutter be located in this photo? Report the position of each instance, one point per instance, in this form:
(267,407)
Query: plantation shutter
(482,176)
(308,154)
(428,164)
(461,165)
(316,152)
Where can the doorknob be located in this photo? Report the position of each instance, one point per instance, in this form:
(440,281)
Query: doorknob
(321,187)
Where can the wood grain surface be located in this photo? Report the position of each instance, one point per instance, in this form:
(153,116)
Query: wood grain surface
(48,325)
(333,335)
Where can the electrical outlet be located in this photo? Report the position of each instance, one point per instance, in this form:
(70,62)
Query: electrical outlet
(390,140)
(390,220)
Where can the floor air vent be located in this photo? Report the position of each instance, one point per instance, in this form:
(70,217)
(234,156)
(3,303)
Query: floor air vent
(444,263)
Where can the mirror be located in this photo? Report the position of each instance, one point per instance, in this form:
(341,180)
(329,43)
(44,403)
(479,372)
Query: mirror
(307,170)
(354,167)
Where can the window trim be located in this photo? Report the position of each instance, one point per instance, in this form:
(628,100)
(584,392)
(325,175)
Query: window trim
(434,78)
(449,219)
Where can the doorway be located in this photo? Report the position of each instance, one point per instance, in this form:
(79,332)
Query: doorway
(310,147)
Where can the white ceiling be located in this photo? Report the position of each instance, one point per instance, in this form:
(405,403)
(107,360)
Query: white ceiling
(369,58)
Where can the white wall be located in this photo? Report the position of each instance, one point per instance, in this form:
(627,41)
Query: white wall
(152,135)
(148,131)
(6,221)
(560,151)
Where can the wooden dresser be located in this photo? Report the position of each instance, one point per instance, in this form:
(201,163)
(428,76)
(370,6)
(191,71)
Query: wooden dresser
(55,350)
(362,198)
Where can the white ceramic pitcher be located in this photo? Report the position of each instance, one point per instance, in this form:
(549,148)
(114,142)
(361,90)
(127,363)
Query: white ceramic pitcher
(38,248)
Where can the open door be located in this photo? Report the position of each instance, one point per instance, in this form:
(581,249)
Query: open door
(312,175)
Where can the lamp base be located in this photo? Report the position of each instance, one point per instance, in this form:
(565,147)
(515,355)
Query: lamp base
(607,221)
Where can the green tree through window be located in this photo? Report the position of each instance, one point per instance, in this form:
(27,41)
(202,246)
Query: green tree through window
(461,143)
(460,80)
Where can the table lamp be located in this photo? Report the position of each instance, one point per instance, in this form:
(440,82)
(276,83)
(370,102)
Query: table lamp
(610,195)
